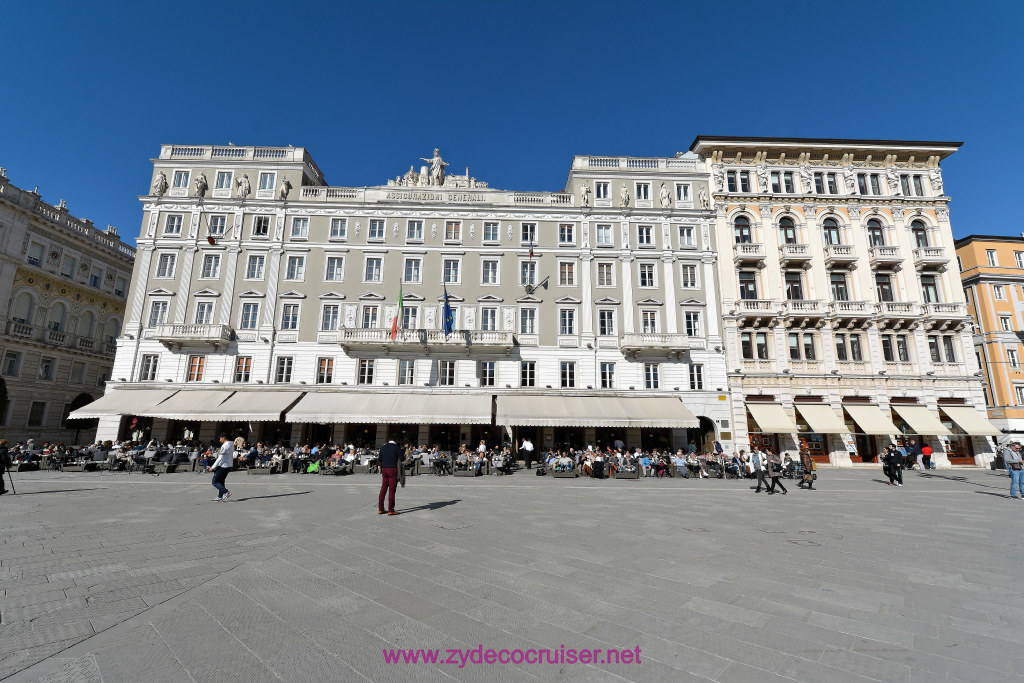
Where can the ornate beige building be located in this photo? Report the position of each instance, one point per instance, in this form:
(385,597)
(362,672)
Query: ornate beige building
(264,302)
(844,319)
(65,283)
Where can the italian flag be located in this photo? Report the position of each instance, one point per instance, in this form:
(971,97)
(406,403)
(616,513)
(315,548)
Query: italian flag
(398,313)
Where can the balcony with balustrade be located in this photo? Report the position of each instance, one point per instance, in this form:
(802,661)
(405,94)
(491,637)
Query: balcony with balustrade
(852,311)
(945,315)
(930,258)
(51,337)
(756,310)
(356,339)
(635,344)
(840,255)
(748,253)
(176,337)
(884,256)
(804,309)
(794,254)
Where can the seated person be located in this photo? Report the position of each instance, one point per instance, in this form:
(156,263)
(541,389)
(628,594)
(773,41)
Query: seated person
(645,465)
(679,460)
(789,466)
(715,467)
(734,466)
(462,460)
(693,466)
(479,462)
(442,464)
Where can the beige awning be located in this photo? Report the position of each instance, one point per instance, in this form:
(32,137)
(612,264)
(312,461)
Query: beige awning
(187,405)
(921,420)
(821,418)
(392,408)
(871,419)
(264,405)
(122,402)
(771,418)
(971,421)
(544,410)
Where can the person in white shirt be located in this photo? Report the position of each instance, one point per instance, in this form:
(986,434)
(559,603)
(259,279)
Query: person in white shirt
(527,449)
(221,466)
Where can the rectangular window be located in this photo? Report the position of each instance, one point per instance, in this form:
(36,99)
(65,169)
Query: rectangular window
(990,256)
(211,266)
(568,374)
(369,317)
(1004,323)
(761,345)
(528,233)
(489,319)
(296,268)
(267,181)
(254,268)
(948,348)
(930,289)
(1018,257)
(688,276)
(67,266)
(173,224)
(601,190)
(47,367)
(324,370)
(223,180)
(148,367)
(605,274)
(489,272)
(528,273)
(36,413)
(300,227)
(855,349)
(875,186)
(406,372)
(607,375)
(748,284)
(413,270)
(528,321)
(180,180)
(373,271)
(410,315)
(566,321)
(841,351)
(196,368)
(682,192)
(918,186)
(647,275)
(933,348)
(787,182)
(453,231)
(832,233)
(794,345)
(819,183)
(204,312)
(744,181)
(696,377)
(218,225)
(643,191)
(887,348)
(747,346)
(833,187)
(250,316)
(883,286)
(491,232)
(290,317)
(731,177)
(652,379)
(645,235)
(451,271)
(840,292)
(1012,358)
(12,363)
(165,265)
(649,322)
(686,237)
(330,317)
(809,353)
(692,322)
(1020,395)
(96,277)
(528,373)
(776,182)
(606,322)
(335,269)
(485,370)
(376,231)
(261,226)
(862,183)
(566,274)
(998,291)
(902,350)
(157,313)
(566,233)
(604,234)
(243,369)
(794,286)
(446,373)
(365,372)
(284,370)
(339,228)
(905,185)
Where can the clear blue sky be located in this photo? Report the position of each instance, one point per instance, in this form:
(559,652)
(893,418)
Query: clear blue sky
(512,90)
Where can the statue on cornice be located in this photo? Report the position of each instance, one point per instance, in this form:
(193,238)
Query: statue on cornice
(286,187)
(624,197)
(243,186)
(935,176)
(585,194)
(437,165)
(160,184)
(411,177)
(851,180)
(702,197)
(201,185)
(666,197)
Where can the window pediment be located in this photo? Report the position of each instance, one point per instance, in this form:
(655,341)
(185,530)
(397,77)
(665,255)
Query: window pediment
(206,292)
(649,302)
(291,294)
(332,295)
(160,291)
(567,300)
(371,296)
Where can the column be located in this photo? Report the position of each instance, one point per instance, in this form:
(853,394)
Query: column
(587,260)
(628,317)
(668,268)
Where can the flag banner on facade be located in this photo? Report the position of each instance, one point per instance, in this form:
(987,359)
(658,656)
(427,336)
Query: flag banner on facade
(394,323)
(531,248)
(449,317)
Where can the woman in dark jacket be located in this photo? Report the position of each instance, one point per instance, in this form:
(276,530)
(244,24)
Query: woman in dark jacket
(807,465)
(775,471)
(894,463)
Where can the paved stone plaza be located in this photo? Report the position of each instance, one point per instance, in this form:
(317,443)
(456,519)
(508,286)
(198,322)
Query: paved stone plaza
(115,577)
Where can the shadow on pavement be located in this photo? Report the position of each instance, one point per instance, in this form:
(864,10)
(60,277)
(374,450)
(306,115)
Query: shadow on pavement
(962,480)
(431,506)
(36,493)
(276,495)
(993,493)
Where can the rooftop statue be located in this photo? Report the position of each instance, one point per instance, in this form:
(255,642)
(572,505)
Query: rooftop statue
(437,165)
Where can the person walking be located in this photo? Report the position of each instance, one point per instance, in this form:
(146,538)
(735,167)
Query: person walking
(1015,466)
(5,466)
(221,466)
(894,463)
(775,470)
(757,459)
(807,468)
(390,461)
(527,449)
(915,452)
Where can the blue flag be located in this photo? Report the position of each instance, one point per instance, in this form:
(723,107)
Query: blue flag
(449,317)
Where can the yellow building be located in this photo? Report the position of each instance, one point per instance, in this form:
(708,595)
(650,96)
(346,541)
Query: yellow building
(992,268)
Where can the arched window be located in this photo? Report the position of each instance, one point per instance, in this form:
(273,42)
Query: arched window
(832,233)
(741,230)
(787,230)
(920,233)
(876,233)
(55,319)
(86,324)
(113,329)
(23,308)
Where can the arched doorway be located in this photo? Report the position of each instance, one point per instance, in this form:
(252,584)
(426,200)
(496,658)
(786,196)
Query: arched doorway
(702,437)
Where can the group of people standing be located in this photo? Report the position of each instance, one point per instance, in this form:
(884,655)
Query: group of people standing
(768,464)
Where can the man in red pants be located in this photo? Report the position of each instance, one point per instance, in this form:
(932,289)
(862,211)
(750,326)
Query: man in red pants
(390,461)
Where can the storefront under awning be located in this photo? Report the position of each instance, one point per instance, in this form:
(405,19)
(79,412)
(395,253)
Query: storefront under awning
(971,421)
(821,418)
(921,420)
(771,418)
(542,410)
(252,406)
(187,405)
(392,408)
(119,402)
(871,419)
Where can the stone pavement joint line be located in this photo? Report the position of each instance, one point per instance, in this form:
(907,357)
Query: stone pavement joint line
(108,579)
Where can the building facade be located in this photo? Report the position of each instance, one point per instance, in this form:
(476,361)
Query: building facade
(845,323)
(265,302)
(992,272)
(65,283)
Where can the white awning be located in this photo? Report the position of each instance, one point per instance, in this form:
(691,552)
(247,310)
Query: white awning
(593,411)
(122,402)
(821,418)
(187,405)
(871,419)
(772,418)
(392,408)
(265,405)
(971,421)
(921,420)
